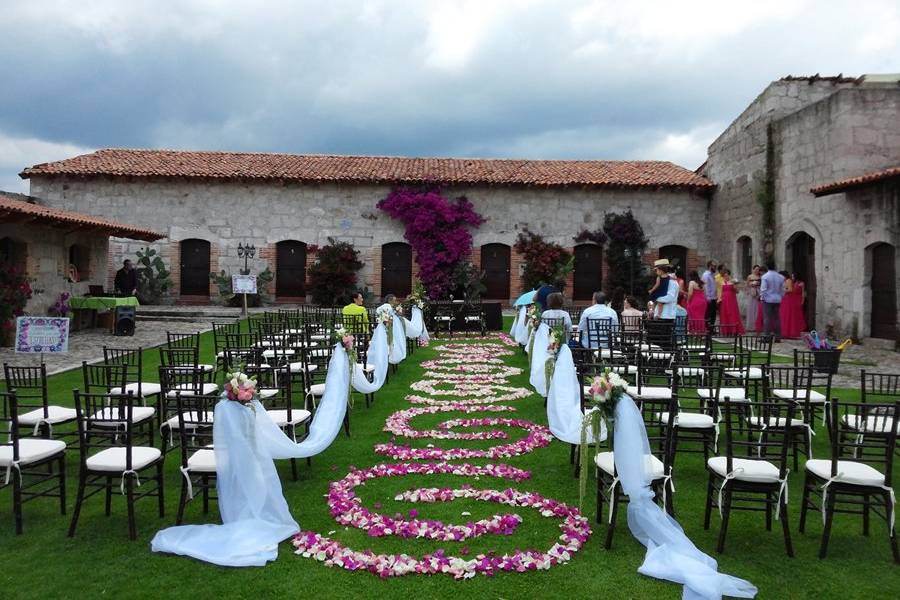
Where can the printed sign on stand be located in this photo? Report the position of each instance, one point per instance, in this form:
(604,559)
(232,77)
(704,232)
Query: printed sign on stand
(42,334)
(243,284)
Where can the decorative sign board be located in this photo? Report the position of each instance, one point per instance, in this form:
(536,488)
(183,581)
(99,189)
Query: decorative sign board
(42,334)
(243,284)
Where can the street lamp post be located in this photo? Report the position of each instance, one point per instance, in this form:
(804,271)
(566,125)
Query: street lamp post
(629,253)
(246,252)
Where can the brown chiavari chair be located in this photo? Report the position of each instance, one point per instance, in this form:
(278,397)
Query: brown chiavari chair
(35,467)
(177,380)
(220,329)
(103,379)
(131,359)
(858,476)
(792,384)
(198,458)
(34,408)
(752,475)
(698,416)
(108,457)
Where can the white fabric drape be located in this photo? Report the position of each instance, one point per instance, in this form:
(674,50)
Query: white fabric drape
(523,333)
(670,554)
(538,359)
(564,413)
(518,322)
(255,515)
(377,356)
(415,327)
(397,342)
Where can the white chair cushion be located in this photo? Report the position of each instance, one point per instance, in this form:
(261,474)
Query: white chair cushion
(147,389)
(139,414)
(605,461)
(733,394)
(203,461)
(773,422)
(760,471)
(112,460)
(814,396)
(854,473)
(689,420)
(444,318)
(874,423)
(187,389)
(657,355)
(649,392)
(271,353)
(627,369)
(31,450)
(298,415)
(192,417)
(265,393)
(220,354)
(689,371)
(749,372)
(318,337)
(473,318)
(317,389)
(55,414)
(297,367)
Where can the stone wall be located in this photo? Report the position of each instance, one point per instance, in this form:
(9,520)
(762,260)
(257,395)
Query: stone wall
(262,214)
(852,132)
(47,261)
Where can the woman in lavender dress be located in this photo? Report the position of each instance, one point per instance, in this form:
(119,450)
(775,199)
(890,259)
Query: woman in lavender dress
(753,293)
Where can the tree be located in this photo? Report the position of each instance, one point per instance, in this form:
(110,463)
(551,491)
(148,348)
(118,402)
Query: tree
(333,276)
(626,245)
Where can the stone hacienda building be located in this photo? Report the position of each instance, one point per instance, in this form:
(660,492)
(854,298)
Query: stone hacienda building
(807,174)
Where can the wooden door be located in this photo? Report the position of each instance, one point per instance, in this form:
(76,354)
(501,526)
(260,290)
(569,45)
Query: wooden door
(290,269)
(884,292)
(194,267)
(588,273)
(396,269)
(677,255)
(495,265)
(802,251)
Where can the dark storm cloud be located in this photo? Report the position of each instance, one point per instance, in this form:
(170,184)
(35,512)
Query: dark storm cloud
(654,80)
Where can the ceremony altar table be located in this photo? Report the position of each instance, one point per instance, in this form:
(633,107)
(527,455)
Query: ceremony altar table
(85,309)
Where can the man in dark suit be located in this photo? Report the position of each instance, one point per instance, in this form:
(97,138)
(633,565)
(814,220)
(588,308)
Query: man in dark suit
(126,279)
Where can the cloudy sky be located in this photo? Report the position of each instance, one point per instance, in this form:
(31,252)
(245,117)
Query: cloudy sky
(480,78)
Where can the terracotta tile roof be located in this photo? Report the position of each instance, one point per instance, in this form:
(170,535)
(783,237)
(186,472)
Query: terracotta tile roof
(373,169)
(843,185)
(19,209)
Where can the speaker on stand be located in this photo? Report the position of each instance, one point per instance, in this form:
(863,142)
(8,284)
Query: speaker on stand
(124,321)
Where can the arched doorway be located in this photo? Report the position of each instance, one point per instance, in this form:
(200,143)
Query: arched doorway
(290,269)
(744,256)
(495,265)
(588,273)
(801,258)
(884,292)
(396,269)
(677,255)
(194,267)
(13,253)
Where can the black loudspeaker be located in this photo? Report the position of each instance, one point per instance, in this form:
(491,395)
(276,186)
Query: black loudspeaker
(124,322)
(493,316)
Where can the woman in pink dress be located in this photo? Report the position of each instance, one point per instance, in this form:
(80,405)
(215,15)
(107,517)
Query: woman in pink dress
(696,304)
(793,321)
(730,322)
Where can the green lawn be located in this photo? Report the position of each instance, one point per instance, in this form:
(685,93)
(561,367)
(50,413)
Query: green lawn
(44,563)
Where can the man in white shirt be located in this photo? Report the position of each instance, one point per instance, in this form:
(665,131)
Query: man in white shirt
(661,331)
(771,291)
(598,310)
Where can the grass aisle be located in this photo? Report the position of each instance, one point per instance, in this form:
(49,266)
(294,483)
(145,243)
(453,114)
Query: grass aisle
(99,561)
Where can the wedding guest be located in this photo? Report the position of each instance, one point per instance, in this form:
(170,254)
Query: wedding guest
(720,281)
(540,298)
(771,291)
(793,320)
(709,292)
(753,298)
(126,279)
(696,304)
(356,317)
(729,313)
(759,306)
(555,310)
(660,330)
(596,311)
(631,315)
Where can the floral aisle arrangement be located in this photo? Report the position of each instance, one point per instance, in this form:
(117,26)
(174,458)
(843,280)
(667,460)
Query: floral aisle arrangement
(61,307)
(15,292)
(603,395)
(418,296)
(239,387)
(345,338)
(484,419)
(555,341)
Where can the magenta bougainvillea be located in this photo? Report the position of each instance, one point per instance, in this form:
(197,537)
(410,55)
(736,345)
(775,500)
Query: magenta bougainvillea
(437,229)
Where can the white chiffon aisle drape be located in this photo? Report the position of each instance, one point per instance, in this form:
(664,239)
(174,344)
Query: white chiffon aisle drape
(255,515)
(670,554)
(415,326)
(523,333)
(564,414)
(397,341)
(538,359)
(518,322)
(377,356)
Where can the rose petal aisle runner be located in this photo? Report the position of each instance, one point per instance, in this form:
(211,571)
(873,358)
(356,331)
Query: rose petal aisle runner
(471,381)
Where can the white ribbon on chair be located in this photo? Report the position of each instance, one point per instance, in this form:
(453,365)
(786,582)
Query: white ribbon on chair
(564,413)
(415,327)
(538,358)
(524,330)
(670,554)
(254,512)
(377,356)
(397,342)
(518,321)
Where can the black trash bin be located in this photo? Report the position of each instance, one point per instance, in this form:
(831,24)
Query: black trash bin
(827,361)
